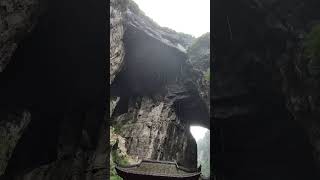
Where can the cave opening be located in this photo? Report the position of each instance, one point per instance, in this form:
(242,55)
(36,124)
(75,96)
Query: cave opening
(202,137)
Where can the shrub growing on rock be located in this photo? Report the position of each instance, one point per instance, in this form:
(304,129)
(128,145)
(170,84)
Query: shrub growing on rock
(312,49)
(313,42)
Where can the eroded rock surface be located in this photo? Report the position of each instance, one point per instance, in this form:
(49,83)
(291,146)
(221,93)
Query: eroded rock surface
(113,103)
(12,126)
(17,18)
(153,131)
(117,20)
(141,22)
(199,60)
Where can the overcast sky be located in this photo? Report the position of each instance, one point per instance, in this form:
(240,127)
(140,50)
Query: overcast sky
(187,16)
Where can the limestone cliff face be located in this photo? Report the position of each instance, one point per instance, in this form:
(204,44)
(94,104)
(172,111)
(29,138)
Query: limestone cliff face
(138,20)
(117,18)
(159,98)
(199,71)
(153,130)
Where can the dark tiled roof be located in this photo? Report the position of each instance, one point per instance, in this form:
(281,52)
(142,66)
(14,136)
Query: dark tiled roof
(159,168)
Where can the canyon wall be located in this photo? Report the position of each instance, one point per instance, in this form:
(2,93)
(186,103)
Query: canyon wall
(160,90)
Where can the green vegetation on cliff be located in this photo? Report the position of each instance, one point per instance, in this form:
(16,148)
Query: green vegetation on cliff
(207,75)
(312,49)
(116,159)
(312,42)
(118,153)
(115,156)
(113,173)
(203,42)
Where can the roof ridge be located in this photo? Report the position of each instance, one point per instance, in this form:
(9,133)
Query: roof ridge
(179,172)
(158,161)
(198,169)
(188,174)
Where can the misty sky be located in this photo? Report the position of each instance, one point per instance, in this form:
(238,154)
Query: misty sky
(187,16)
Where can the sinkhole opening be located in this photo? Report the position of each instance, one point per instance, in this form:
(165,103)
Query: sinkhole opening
(202,137)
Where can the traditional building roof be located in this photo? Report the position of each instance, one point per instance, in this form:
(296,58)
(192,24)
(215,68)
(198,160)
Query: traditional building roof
(154,169)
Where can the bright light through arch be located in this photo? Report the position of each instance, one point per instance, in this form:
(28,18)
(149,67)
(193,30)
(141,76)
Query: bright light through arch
(198,132)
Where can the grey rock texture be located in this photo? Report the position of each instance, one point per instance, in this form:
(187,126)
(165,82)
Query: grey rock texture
(117,51)
(113,103)
(117,20)
(153,131)
(17,18)
(12,126)
(199,60)
(140,21)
